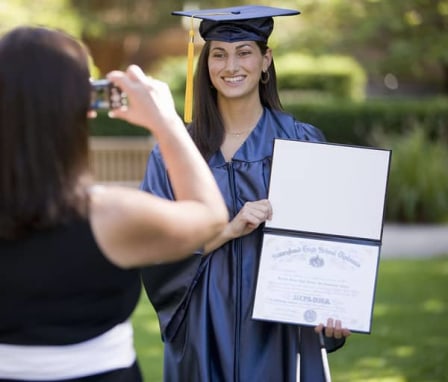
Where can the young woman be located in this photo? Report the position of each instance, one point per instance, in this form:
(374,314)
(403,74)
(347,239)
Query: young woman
(69,250)
(205,304)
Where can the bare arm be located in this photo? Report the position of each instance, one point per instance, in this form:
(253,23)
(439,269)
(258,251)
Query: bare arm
(248,219)
(135,228)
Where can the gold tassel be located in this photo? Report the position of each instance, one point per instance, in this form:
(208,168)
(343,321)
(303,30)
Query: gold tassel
(188,108)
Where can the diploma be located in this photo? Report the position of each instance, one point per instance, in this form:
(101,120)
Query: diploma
(306,281)
(321,249)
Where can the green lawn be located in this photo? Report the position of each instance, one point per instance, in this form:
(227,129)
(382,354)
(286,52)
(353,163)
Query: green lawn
(408,343)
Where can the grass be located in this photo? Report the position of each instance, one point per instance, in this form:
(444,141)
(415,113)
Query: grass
(408,342)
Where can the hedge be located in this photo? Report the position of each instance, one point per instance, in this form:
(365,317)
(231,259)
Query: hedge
(354,123)
(102,125)
(416,131)
(338,77)
(341,122)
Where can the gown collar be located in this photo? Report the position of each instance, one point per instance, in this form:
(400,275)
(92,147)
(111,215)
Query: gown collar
(259,143)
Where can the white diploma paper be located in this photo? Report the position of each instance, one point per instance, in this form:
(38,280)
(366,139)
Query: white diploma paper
(306,281)
(328,189)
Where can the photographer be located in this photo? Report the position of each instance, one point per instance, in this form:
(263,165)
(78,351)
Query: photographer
(69,249)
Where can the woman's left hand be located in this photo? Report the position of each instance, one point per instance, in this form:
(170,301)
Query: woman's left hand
(333,329)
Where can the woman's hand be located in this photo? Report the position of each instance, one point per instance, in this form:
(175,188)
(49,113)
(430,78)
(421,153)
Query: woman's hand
(150,102)
(333,329)
(250,217)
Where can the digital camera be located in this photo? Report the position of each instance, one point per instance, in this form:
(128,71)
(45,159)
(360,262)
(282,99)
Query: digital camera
(105,95)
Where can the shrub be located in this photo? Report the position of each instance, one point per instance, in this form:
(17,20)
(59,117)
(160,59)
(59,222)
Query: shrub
(418,181)
(355,122)
(337,77)
(102,125)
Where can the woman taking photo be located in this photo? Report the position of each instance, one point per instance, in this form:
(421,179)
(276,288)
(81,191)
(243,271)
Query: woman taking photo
(69,250)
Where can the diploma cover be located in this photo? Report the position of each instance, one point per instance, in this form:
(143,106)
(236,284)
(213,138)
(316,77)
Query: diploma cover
(320,252)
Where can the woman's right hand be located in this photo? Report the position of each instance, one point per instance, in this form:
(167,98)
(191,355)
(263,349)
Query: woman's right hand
(246,220)
(249,218)
(150,102)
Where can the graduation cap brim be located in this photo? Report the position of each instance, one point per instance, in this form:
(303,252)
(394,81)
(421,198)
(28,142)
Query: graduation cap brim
(243,23)
(245,12)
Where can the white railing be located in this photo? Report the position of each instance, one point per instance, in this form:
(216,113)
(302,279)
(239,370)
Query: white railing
(120,160)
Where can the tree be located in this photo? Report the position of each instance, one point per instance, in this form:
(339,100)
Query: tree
(406,37)
(51,13)
(120,32)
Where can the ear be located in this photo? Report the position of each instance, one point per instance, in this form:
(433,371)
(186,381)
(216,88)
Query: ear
(267,59)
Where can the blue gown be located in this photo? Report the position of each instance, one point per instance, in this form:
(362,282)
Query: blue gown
(204,304)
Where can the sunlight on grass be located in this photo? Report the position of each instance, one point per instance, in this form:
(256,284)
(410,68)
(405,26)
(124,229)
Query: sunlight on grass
(380,310)
(404,351)
(434,306)
(371,362)
(386,379)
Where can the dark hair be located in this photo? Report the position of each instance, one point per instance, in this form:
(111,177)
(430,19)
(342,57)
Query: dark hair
(207,129)
(44,99)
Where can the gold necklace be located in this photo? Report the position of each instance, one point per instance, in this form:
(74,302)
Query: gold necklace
(239,134)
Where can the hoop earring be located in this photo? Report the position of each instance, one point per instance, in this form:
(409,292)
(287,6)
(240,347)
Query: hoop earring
(266,78)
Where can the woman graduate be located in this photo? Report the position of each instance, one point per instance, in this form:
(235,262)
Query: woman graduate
(204,304)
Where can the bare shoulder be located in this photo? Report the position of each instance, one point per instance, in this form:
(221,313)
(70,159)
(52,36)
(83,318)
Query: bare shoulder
(117,214)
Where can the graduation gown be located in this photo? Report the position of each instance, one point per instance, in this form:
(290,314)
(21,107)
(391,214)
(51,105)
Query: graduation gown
(204,303)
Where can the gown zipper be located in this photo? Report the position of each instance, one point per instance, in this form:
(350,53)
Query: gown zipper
(237,250)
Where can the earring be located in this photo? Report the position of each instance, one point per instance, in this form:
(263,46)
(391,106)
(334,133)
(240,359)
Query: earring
(264,80)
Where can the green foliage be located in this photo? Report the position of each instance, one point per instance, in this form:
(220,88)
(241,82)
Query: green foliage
(418,181)
(337,76)
(51,13)
(354,122)
(121,19)
(59,14)
(173,71)
(414,32)
(407,342)
(102,125)
(407,38)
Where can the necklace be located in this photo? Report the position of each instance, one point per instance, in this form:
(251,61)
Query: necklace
(239,134)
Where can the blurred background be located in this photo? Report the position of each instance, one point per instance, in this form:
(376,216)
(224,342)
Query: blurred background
(366,72)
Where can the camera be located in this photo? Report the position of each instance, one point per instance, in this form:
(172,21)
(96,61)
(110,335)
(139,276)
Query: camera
(105,95)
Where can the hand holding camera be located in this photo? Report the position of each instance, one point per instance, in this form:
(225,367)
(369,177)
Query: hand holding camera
(150,102)
(106,96)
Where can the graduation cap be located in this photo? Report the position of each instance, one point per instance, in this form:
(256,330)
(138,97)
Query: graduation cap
(243,23)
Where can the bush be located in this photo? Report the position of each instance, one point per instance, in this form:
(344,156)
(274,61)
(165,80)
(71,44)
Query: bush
(354,123)
(336,77)
(418,181)
(102,125)
(173,70)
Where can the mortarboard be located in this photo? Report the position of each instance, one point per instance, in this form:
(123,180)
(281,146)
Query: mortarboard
(243,23)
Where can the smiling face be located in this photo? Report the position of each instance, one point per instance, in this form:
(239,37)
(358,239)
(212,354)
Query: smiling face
(235,68)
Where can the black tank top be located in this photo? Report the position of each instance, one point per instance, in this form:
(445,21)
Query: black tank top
(57,288)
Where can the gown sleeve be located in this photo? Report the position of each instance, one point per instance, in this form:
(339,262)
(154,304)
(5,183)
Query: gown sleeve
(168,285)
(333,344)
(307,132)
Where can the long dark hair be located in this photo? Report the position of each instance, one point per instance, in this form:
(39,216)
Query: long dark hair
(44,99)
(207,128)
